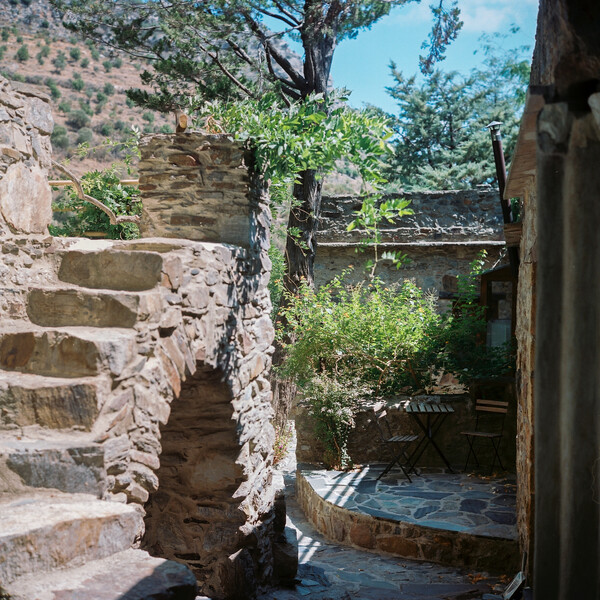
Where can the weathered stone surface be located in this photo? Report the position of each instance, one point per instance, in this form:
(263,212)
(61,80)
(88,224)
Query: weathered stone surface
(133,575)
(25,197)
(44,532)
(68,307)
(196,187)
(27,399)
(112,269)
(77,352)
(67,463)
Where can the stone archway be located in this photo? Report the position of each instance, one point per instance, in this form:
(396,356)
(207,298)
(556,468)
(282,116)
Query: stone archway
(194,516)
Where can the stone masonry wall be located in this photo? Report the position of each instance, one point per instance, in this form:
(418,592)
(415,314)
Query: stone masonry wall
(443,236)
(195,187)
(155,353)
(25,153)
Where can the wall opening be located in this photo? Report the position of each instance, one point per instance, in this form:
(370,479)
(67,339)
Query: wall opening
(194,517)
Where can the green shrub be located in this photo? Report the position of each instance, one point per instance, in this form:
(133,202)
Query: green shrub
(22,53)
(130,103)
(54,91)
(106,129)
(5,35)
(118,62)
(107,64)
(60,61)
(169,129)
(85,135)
(73,40)
(75,53)
(77,83)
(19,39)
(85,62)
(26,2)
(2,51)
(45,24)
(78,119)
(105,187)
(85,107)
(95,54)
(109,89)
(120,125)
(148,116)
(61,141)
(65,106)
(101,97)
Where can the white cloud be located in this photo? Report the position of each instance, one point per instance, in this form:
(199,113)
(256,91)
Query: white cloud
(490,16)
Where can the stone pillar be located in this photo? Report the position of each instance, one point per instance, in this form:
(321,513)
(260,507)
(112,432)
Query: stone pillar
(25,157)
(567,400)
(197,187)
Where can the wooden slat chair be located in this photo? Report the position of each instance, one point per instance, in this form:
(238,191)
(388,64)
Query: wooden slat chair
(489,424)
(398,443)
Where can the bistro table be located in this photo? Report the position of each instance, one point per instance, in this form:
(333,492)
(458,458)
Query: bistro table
(429,416)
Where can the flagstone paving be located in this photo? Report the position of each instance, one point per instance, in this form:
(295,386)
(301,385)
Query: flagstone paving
(328,571)
(455,502)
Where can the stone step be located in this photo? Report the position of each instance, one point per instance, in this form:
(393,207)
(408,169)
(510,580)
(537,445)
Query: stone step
(65,352)
(45,531)
(112,269)
(65,307)
(51,402)
(63,460)
(128,575)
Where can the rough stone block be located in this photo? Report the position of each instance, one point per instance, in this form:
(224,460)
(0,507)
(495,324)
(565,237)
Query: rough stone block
(40,533)
(112,269)
(50,402)
(133,575)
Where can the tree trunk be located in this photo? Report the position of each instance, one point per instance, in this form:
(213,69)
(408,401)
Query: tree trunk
(304,217)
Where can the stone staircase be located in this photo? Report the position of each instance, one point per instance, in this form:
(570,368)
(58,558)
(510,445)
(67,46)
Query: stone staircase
(71,484)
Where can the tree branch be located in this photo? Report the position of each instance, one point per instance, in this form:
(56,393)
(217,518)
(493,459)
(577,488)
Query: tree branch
(114,219)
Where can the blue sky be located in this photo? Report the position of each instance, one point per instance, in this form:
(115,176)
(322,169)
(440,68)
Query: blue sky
(361,64)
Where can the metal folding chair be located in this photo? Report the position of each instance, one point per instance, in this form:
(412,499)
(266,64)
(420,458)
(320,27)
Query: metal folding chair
(398,443)
(489,425)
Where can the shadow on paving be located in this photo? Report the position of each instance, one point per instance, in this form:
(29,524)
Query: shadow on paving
(331,572)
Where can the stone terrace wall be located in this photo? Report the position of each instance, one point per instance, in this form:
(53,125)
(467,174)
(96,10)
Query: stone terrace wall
(441,238)
(25,153)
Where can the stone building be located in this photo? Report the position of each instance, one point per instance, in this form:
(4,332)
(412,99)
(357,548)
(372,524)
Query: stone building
(556,173)
(135,404)
(445,234)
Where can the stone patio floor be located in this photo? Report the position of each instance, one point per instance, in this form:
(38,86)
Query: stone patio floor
(328,571)
(455,502)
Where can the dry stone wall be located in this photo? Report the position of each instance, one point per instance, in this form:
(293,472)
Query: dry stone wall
(25,153)
(137,371)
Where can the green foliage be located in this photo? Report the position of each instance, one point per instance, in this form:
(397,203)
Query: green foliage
(311,134)
(283,438)
(59,137)
(107,64)
(85,62)
(442,141)
(2,51)
(369,217)
(276,280)
(5,35)
(75,53)
(148,117)
(85,135)
(104,186)
(65,106)
(19,39)
(334,404)
(22,54)
(78,119)
(54,91)
(59,61)
(381,336)
(94,54)
(342,344)
(109,88)
(77,83)
(118,62)
(85,107)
